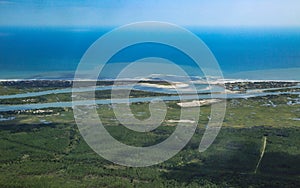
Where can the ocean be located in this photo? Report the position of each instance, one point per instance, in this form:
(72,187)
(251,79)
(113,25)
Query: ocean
(246,53)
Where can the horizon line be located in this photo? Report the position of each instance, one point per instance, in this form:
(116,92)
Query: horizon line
(187,26)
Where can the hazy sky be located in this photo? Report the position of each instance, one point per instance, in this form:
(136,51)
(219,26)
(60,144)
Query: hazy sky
(119,12)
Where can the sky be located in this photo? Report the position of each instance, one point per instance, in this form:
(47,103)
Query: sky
(249,13)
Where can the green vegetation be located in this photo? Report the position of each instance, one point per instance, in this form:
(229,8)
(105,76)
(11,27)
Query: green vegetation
(10,90)
(45,149)
(284,90)
(60,97)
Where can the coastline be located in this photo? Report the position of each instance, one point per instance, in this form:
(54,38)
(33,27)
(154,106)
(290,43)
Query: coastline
(220,81)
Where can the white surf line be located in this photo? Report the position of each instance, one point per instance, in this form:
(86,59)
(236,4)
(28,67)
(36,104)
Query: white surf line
(262,153)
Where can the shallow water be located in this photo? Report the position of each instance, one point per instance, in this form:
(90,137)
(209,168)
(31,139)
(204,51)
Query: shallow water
(4,108)
(201,88)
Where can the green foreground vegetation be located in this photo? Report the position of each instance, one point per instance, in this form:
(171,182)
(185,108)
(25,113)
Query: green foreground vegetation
(45,149)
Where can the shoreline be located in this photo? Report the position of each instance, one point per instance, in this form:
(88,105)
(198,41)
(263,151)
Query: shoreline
(221,81)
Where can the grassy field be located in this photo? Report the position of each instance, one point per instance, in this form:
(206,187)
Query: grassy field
(45,149)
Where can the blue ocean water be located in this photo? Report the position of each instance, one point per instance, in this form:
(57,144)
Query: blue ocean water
(55,52)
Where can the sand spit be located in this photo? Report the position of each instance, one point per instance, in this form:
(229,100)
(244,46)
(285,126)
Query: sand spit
(174,85)
(196,103)
(181,121)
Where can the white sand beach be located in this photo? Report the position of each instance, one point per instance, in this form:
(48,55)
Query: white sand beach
(180,121)
(196,103)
